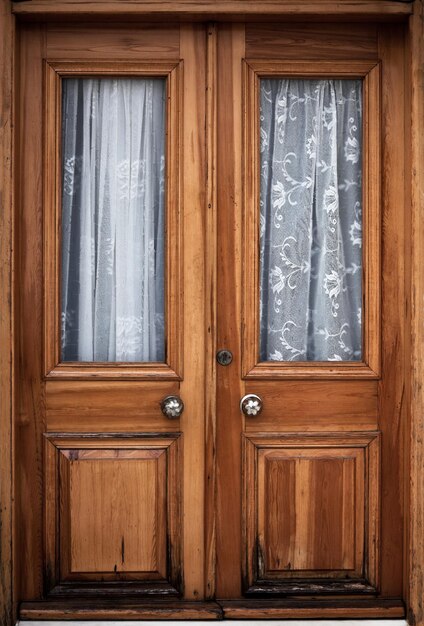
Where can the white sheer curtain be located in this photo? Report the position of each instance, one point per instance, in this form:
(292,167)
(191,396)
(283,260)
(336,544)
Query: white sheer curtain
(311,226)
(113,145)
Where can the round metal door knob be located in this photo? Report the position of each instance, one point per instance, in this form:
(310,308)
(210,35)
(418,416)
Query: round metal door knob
(172,407)
(251,405)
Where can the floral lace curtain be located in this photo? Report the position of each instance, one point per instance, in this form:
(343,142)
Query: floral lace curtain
(310,220)
(113,147)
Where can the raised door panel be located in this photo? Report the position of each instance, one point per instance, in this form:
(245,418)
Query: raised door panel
(113,511)
(311,513)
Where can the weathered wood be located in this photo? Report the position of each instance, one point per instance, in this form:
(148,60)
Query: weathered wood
(110,611)
(7,46)
(310,609)
(414,570)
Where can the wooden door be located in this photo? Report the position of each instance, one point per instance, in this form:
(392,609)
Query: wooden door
(309,489)
(104,478)
(296,510)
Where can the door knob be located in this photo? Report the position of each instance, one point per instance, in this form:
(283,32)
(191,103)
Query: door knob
(172,407)
(251,405)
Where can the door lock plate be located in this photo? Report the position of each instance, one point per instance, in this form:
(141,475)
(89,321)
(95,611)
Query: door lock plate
(224,357)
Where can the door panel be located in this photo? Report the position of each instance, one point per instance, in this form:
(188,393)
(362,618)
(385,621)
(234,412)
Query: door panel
(312,514)
(113,511)
(107,503)
(311,507)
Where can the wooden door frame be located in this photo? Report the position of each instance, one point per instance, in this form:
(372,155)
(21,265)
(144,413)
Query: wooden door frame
(377,10)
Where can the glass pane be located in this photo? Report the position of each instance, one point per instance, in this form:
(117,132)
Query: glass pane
(113,219)
(310,220)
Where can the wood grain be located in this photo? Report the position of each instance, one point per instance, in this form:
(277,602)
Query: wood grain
(362,9)
(84,42)
(83,408)
(30,410)
(313,609)
(120,406)
(193,51)
(133,484)
(351,405)
(7,336)
(177,610)
(392,406)
(312,41)
(414,562)
(211,312)
(311,512)
(229,386)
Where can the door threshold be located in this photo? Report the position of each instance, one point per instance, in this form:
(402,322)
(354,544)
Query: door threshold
(314,608)
(118,609)
(282,609)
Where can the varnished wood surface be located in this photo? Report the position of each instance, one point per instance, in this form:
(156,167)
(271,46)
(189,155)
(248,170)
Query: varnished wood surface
(414,446)
(231,39)
(97,42)
(7,372)
(30,422)
(321,405)
(341,405)
(391,389)
(78,406)
(311,511)
(193,52)
(312,41)
(209,8)
(68,404)
(133,483)
(211,313)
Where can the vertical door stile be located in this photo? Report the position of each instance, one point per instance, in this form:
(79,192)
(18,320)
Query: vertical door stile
(192,50)
(231,49)
(210,311)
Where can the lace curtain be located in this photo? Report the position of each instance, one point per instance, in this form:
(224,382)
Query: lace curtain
(310,220)
(113,147)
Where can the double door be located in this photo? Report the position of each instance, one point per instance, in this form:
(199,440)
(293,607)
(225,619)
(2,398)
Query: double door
(212,311)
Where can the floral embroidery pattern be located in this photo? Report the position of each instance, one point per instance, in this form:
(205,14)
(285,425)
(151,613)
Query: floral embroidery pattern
(311,220)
